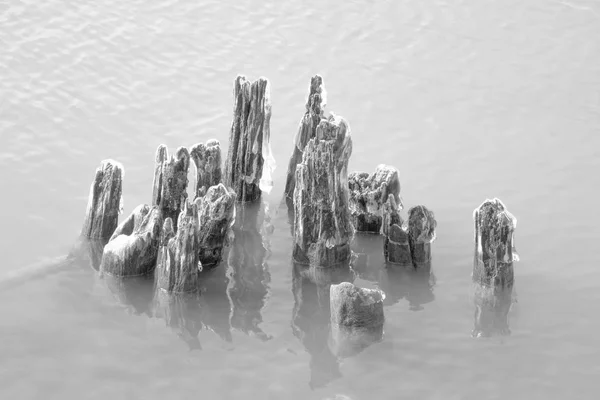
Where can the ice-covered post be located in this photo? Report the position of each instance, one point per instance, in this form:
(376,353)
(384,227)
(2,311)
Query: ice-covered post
(207,158)
(307,130)
(216,210)
(133,248)
(104,202)
(356,317)
(322,226)
(493,274)
(170,181)
(249,160)
(421,233)
(368,194)
(177,264)
(396,244)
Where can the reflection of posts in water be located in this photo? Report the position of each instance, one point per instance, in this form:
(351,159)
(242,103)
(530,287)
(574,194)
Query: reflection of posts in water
(493,274)
(311,317)
(395,282)
(134,293)
(217,307)
(248,271)
(421,283)
(356,318)
(181,312)
(88,250)
(368,261)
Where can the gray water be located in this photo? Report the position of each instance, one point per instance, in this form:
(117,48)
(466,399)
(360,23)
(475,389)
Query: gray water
(468,99)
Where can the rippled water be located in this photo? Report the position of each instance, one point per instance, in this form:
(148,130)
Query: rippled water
(468,99)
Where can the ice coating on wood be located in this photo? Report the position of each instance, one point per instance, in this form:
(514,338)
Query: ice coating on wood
(207,159)
(170,181)
(178,257)
(421,233)
(356,318)
(249,155)
(322,226)
(104,202)
(368,194)
(216,213)
(133,248)
(494,244)
(315,104)
(396,245)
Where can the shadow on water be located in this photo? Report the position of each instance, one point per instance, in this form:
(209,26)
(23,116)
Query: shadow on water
(413,283)
(311,317)
(248,271)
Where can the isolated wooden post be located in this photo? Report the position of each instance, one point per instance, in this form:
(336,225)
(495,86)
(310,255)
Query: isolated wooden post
(493,273)
(421,233)
(315,103)
(368,194)
(133,248)
(178,262)
(170,182)
(216,211)
(104,203)
(356,318)
(249,160)
(207,158)
(396,245)
(494,247)
(322,226)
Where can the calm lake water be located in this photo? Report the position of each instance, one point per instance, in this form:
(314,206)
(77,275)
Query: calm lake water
(468,99)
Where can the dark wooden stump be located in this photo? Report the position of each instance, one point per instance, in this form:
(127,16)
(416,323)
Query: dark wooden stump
(368,194)
(311,317)
(104,203)
(248,271)
(396,245)
(178,262)
(207,158)
(133,248)
(421,233)
(249,160)
(307,130)
(493,273)
(322,226)
(216,210)
(169,189)
(356,318)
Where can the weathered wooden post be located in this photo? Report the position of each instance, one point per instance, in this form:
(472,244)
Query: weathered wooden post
(421,233)
(216,211)
(315,103)
(178,257)
(356,318)
(207,158)
(322,225)
(493,274)
(249,160)
(170,182)
(248,271)
(104,203)
(368,194)
(133,247)
(396,245)
(182,313)
(311,317)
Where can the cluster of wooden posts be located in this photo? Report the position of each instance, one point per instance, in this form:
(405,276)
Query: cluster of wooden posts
(175,237)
